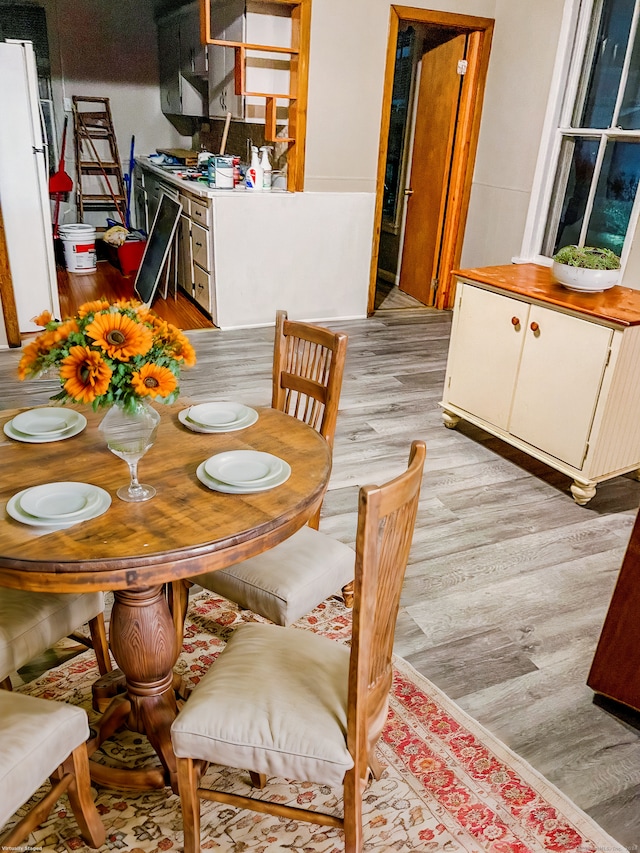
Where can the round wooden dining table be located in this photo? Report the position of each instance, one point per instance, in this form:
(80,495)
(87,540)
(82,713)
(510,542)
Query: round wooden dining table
(135,549)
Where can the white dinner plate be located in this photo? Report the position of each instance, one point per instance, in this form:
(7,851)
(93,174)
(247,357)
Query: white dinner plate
(47,421)
(243,417)
(243,467)
(60,501)
(14,509)
(227,488)
(76,422)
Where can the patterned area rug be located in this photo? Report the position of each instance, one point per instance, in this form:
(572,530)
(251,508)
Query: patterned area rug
(448,787)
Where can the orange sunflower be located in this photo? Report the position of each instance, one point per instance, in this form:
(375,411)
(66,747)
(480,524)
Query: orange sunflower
(86,373)
(152,380)
(92,307)
(119,335)
(183,350)
(43,319)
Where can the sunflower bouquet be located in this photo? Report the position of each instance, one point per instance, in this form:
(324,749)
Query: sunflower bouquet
(120,353)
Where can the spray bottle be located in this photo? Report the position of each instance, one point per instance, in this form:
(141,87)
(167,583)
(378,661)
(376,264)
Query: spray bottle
(265,163)
(255,176)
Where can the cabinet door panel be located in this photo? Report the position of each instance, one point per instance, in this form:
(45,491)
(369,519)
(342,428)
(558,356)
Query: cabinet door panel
(202,288)
(185,262)
(485,352)
(169,62)
(559,382)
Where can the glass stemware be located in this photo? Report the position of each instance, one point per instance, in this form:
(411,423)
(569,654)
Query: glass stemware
(129,435)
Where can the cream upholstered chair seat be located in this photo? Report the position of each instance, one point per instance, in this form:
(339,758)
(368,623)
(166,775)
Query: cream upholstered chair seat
(294,577)
(31,622)
(36,737)
(288,581)
(297,705)
(254,710)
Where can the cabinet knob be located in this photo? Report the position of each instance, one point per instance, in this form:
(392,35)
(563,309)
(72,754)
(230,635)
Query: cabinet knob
(515,321)
(534,327)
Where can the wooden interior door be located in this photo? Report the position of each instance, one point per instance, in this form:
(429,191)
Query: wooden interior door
(435,125)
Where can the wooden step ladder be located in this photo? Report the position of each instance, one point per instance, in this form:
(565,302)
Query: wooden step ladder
(99,184)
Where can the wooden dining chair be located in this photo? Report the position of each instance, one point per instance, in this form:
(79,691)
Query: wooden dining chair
(40,738)
(32,622)
(291,579)
(290,703)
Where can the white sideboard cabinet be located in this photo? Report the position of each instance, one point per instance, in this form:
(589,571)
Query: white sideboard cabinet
(552,372)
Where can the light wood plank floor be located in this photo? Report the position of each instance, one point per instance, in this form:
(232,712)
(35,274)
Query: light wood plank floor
(509,580)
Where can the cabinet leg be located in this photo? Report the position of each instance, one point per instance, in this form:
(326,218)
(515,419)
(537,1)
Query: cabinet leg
(582,492)
(450,420)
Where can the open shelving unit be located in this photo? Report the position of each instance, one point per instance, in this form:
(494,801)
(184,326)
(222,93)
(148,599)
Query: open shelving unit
(296,97)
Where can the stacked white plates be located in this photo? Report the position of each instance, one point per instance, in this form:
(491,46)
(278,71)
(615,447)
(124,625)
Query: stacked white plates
(37,426)
(58,505)
(243,472)
(217,417)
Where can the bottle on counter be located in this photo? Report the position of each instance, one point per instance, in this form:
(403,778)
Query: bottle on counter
(266,168)
(254,177)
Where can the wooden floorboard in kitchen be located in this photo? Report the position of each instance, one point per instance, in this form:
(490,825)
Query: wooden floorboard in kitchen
(107,282)
(509,580)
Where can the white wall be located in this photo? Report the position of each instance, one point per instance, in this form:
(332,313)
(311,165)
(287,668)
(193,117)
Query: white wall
(518,83)
(109,50)
(346,81)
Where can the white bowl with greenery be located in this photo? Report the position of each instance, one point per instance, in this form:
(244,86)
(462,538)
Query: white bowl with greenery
(587,269)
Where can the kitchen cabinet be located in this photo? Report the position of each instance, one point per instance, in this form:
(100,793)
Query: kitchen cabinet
(139,201)
(227,22)
(530,365)
(195,252)
(197,79)
(182,90)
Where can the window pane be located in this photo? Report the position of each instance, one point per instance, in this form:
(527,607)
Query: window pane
(629,117)
(615,193)
(573,180)
(603,64)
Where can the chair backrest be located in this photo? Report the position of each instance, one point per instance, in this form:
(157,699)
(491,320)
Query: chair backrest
(386,520)
(308,365)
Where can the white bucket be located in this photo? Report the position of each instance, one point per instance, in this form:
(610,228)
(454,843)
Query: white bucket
(79,241)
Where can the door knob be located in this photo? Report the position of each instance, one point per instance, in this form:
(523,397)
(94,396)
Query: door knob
(515,321)
(534,327)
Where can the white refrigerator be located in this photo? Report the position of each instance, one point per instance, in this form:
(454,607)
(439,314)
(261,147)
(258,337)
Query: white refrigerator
(24,186)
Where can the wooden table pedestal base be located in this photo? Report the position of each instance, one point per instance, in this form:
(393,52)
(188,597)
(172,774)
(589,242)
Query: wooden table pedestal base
(143,696)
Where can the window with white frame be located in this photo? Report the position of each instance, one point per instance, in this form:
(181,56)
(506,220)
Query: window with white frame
(598,137)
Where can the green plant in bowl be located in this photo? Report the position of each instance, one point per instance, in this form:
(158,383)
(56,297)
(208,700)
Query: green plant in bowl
(587,257)
(588,269)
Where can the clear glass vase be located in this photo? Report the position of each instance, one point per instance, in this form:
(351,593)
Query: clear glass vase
(129,434)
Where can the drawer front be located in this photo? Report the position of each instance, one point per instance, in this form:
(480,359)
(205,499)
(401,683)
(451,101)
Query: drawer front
(200,212)
(200,246)
(202,288)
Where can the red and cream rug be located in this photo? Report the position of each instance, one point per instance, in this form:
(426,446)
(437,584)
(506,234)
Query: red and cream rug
(448,787)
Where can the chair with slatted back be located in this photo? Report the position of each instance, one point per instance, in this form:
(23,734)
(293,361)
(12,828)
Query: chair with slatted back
(32,622)
(290,703)
(291,579)
(40,738)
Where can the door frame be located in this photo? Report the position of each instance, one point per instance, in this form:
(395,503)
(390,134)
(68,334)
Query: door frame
(480,32)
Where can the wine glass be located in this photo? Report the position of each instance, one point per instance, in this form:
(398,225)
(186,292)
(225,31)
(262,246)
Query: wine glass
(129,435)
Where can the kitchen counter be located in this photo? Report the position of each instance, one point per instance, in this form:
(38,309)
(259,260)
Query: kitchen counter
(242,255)
(200,188)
